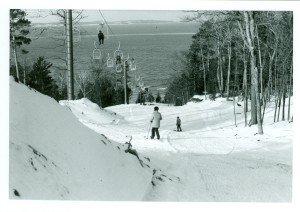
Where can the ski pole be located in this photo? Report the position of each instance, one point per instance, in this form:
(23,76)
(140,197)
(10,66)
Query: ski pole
(149,129)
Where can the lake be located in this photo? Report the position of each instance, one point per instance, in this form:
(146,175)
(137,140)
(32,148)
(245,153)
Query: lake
(152,45)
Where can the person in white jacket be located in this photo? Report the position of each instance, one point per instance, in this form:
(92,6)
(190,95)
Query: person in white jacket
(155,120)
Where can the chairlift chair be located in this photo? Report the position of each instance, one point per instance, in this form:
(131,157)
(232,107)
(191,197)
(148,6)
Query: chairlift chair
(96,54)
(118,55)
(132,65)
(137,78)
(118,84)
(119,68)
(109,61)
(76,35)
(141,83)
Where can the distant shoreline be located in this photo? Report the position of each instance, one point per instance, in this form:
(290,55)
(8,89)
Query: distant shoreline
(58,24)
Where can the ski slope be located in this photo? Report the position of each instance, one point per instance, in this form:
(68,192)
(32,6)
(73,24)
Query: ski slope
(211,160)
(55,157)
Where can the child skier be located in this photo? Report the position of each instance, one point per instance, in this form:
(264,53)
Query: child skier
(178,124)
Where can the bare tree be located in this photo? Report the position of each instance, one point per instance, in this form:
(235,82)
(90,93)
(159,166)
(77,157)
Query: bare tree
(248,35)
(83,81)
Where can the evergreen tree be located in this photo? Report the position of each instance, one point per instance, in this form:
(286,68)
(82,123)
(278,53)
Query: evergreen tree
(19,30)
(40,79)
(158,98)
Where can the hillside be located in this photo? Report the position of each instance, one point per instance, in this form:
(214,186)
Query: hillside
(212,160)
(54,156)
(76,150)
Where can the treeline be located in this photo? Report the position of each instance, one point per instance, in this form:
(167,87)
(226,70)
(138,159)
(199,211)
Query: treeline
(244,53)
(97,83)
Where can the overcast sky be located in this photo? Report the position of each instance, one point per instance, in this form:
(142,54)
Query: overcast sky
(113,15)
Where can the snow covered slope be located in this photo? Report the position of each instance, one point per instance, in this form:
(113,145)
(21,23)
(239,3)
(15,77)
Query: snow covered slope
(54,156)
(212,160)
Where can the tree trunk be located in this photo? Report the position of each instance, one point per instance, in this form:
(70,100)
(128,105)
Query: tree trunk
(290,91)
(260,63)
(234,111)
(221,74)
(270,84)
(279,103)
(255,97)
(218,70)
(245,87)
(16,57)
(276,106)
(195,83)
(228,71)
(24,72)
(254,82)
(236,81)
(259,124)
(283,96)
(204,72)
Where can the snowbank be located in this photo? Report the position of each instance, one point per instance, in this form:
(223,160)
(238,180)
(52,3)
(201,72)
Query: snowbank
(54,156)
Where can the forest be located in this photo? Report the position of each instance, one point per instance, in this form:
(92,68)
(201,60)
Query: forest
(238,54)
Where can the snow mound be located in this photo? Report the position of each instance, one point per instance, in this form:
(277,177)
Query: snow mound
(54,156)
(103,121)
(85,109)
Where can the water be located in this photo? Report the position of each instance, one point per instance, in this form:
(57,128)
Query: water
(151,45)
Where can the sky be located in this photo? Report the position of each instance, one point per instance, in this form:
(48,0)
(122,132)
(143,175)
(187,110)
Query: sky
(112,15)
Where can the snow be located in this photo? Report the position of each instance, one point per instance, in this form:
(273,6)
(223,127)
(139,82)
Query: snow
(211,160)
(54,156)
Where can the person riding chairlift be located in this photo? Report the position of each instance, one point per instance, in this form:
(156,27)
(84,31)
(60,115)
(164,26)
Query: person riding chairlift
(101,37)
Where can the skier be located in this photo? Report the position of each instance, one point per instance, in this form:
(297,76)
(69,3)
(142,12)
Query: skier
(101,37)
(178,124)
(155,120)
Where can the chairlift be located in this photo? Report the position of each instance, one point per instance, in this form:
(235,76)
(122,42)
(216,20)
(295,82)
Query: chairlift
(109,62)
(141,83)
(118,84)
(100,27)
(118,55)
(132,65)
(119,68)
(76,35)
(137,78)
(96,54)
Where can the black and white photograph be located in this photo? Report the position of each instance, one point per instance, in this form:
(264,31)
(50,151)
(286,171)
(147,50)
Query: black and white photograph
(111,104)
